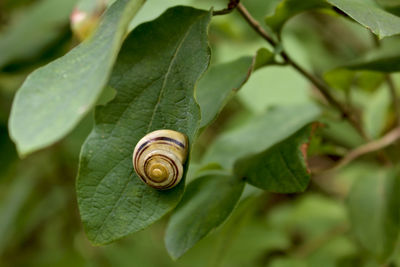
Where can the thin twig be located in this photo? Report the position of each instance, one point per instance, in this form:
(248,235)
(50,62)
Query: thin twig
(375,145)
(231,6)
(324,89)
(318,83)
(254,24)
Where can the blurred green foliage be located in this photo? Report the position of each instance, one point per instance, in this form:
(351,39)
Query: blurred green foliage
(39,219)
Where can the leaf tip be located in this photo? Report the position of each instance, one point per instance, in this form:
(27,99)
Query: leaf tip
(174,252)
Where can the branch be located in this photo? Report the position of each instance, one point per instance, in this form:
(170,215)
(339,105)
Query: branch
(375,145)
(254,24)
(231,6)
(324,89)
(319,84)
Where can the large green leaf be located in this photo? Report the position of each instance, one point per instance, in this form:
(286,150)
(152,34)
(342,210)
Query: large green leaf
(154,76)
(207,203)
(374,206)
(260,134)
(54,98)
(370,15)
(33,29)
(281,168)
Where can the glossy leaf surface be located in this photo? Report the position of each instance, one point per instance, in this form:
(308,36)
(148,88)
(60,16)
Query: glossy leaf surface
(154,77)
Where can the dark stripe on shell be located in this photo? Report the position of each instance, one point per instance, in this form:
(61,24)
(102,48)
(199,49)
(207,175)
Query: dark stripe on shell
(140,152)
(164,138)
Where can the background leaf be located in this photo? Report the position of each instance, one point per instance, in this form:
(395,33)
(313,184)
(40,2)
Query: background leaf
(281,168)
(287,9)
(31,30)
(374,62)
(385,58)
(370,15)
(365,12)
(260,133)
(376,106)
(207,203)
(263,58)
(219,84)
(154,76)
(69,86)
(374,203)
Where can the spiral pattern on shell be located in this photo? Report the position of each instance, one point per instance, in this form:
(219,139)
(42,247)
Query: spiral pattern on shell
(159,156)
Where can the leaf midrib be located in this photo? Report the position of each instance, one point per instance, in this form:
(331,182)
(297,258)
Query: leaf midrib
(167,75)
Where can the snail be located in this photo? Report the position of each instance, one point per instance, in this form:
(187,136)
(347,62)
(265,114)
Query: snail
(159,156)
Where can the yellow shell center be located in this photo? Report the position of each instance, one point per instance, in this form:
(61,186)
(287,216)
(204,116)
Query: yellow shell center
(158,172)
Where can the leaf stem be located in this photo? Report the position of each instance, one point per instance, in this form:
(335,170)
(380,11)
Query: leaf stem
(322,87)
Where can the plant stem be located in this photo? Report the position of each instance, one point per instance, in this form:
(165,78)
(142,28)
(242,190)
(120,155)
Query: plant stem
(231,6)
(386,140)
(254,24)
(318,83)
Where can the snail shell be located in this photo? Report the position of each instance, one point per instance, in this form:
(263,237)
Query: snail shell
(159,156)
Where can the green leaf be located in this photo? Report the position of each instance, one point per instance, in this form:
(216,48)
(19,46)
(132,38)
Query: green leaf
(376,62)
(218,86)
(340,78)
(384,64)
(365,12)
(384,59)
(54,98)
(33,29)
(345,79)
(222,81)
(281,168)
(370,15)
(263,58)
(206,204)
(374,203)
(287,9)
(260,134)
(12,203)
(375,107)
(154,77)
